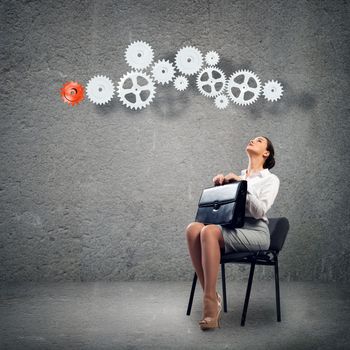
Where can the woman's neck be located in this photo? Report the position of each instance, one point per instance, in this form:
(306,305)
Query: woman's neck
(254,165)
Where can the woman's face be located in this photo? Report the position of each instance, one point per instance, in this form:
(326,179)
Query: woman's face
(258,146)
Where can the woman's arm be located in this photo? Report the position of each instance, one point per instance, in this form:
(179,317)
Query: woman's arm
(258,206)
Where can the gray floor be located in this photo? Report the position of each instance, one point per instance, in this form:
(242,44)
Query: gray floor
(152,315)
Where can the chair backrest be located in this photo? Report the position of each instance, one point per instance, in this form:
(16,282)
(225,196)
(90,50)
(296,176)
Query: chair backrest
(279,228)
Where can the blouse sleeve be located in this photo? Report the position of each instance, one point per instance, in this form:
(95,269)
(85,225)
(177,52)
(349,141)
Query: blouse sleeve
(259,205)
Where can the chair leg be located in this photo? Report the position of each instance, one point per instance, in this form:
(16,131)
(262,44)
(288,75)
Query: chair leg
(189,307)
(278,305)
(246,301)
(223,278)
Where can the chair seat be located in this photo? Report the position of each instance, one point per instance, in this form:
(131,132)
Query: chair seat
(236,256)
(262,257)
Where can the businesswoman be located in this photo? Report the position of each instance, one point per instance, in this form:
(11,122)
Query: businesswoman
(205,241)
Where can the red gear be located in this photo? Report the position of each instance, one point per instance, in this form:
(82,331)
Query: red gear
(72,93)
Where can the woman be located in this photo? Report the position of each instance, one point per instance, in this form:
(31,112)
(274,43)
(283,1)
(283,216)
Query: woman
(205,242)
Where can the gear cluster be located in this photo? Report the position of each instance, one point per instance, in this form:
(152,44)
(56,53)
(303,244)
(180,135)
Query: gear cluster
(136,89)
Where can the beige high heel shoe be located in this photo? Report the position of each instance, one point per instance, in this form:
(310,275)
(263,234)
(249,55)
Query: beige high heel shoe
(218,297)
(212,322)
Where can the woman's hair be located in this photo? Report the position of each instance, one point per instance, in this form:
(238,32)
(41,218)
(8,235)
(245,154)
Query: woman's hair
(270,160)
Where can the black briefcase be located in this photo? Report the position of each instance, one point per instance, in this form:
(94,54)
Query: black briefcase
(223,204)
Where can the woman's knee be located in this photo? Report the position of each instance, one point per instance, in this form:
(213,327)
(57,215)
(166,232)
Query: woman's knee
(210,232)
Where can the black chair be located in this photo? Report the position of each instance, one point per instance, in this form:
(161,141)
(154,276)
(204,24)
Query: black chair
(279,228)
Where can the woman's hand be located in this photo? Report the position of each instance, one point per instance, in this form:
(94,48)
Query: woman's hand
(231,177)
(219,179)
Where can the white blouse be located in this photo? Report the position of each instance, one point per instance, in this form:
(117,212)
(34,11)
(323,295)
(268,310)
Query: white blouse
(262,189)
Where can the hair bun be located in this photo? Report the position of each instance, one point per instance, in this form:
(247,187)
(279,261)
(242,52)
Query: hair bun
(269,162)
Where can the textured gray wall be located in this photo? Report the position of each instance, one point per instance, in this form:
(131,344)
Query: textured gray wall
(104,192)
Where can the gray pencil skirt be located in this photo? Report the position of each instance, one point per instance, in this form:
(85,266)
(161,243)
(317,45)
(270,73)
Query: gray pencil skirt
(253,236)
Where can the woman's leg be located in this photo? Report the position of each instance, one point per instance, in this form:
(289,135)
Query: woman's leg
(211,241)
(193,231)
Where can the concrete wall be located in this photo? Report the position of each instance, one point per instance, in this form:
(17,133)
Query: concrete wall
(104,192)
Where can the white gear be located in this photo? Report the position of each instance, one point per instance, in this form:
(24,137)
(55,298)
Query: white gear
(139,55)
(100,89)
(211,81)
(181,83)
(221,101)
(243,87)
(163,72)
(212,58)
(272,90)
(188,60)
(131,89)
